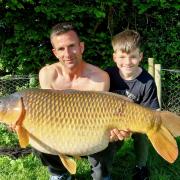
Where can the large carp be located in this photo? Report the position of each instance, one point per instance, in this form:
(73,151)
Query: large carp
(77,123)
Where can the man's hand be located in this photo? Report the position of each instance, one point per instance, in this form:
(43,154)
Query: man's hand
(116,134)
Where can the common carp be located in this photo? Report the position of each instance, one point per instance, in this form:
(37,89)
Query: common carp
(77,123)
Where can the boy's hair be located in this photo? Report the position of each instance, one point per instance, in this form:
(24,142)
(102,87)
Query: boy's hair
(126,41)
(62,28)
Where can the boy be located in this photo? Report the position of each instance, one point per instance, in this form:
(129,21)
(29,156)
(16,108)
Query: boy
(128,79)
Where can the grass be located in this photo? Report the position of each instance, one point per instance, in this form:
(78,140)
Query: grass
(25,168)
(29,167)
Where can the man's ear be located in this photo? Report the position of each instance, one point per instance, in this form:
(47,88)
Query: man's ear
(55,53)
(82,46)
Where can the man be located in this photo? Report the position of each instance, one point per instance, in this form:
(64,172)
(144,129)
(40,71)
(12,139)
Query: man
(72,72)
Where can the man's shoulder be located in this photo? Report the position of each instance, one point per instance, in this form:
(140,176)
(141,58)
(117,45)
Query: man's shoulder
(48,74)
(98,77)
(96,71)
(49,69)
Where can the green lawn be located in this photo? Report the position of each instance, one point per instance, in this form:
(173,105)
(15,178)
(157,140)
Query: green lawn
(29,167)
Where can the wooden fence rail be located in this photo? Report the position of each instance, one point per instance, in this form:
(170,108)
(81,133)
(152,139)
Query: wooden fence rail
(155,71)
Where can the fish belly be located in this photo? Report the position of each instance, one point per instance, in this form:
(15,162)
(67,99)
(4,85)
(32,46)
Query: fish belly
(71,141)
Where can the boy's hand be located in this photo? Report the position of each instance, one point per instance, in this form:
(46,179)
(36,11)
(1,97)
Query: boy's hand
(116,134)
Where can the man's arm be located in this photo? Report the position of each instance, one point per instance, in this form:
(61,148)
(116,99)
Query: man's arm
(101,80)
(107,82)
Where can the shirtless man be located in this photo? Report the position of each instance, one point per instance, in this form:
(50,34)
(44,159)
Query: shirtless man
(72,72)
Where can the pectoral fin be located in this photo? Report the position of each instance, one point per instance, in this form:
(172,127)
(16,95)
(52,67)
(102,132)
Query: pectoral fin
(22,133)
(23,136)
(68,163)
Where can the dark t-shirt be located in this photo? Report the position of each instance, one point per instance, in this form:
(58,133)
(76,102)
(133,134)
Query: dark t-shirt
(142,90)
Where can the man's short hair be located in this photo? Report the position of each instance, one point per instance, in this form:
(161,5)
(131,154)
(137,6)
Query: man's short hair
(126,41)
(61,28)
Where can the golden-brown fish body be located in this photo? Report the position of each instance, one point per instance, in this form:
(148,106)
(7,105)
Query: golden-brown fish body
(77,123)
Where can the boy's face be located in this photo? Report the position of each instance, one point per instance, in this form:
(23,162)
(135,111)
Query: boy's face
(128,62)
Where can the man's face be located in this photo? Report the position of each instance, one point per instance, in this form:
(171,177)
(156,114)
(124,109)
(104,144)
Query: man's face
(68,48)
(128,62)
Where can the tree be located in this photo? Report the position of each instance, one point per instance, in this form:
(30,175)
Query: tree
(25,25)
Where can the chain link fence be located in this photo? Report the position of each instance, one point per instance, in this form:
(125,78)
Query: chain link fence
(170,89)
(12,83)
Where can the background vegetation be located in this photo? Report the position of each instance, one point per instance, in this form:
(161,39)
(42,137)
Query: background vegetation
(25,25)
(25,48)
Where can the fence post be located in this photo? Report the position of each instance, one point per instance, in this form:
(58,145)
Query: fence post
(158,81)
(151,66)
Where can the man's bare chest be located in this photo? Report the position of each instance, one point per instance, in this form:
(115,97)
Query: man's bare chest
(79,84)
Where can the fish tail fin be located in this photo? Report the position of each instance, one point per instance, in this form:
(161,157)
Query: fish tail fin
(164,143)
(171,121)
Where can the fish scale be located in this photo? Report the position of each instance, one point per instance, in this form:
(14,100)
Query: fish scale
(74,118)
(78,123)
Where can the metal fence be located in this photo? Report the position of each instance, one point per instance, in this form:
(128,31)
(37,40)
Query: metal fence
(12,83)
(170,93)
